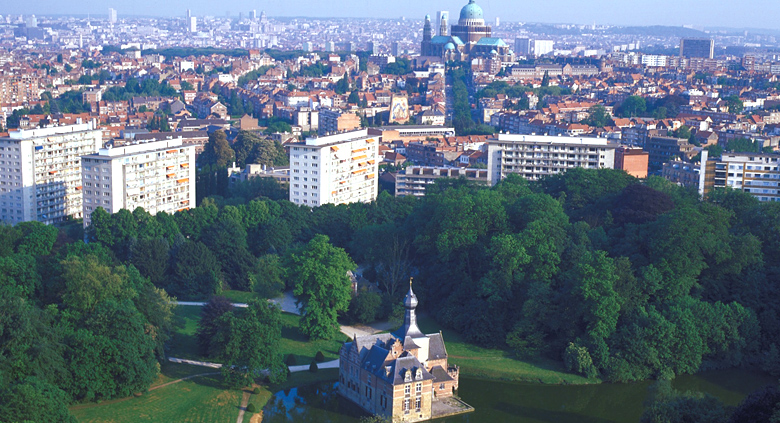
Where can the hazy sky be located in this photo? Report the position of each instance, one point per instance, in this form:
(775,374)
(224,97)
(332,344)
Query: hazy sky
(732,13)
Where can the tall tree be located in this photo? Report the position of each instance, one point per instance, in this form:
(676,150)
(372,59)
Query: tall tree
(322,287)
(217,151)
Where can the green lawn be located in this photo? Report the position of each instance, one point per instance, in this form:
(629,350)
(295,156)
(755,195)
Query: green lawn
(202,399)
(489,363)
(298,344)
(184,343)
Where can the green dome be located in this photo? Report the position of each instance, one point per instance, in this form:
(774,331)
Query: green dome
(471,11)
(449,46)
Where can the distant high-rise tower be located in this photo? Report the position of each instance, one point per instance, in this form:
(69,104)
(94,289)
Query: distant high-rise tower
(443,27)
(308,46)
(396,50)
(111,15)
(330,46)
(523,46)
(442,14)
(373,47)
(32,22)
(253,14)
(193,24)
(697,47)
(189,15)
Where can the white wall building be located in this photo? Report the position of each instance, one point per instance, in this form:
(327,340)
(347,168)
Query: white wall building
(40,172)
(537,156)
(157,176)
(336,169)
(542,47)
(757,174)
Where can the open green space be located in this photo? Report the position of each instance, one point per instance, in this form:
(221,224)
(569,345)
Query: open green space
(201,399)
(500,364)
(184,343)
(304,350)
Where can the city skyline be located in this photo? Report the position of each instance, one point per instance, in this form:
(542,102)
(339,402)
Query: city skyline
(607,12)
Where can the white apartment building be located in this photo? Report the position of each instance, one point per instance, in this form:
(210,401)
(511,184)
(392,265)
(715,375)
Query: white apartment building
(757,174)
(40,172)
(537,156)
(157,176)
(335,169)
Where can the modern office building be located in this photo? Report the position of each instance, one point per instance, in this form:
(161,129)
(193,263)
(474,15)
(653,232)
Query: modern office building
(523,46)
(112,15)
(697,47)
(542,47)
(414,179)
(40,172)
(192,24)
(537,156)
(157,176)
(336,169)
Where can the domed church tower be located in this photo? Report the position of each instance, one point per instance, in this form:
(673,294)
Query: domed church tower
(471,27)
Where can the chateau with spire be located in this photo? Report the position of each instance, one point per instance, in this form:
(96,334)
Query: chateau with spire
(470,38)
(398,375)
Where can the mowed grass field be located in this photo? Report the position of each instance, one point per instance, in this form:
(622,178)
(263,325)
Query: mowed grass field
(499,364)
(304,350)
(201,399)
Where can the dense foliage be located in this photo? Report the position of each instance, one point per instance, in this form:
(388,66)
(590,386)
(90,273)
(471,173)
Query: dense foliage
(75,324)
(617,279)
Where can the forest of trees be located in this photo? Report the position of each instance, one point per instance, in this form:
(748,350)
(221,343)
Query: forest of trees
(616,278)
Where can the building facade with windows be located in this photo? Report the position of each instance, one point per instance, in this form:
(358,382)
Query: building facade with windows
(157,176)
(757,174)
(335,169)
(398,375)
(536,156)
(40,172)
(415,179)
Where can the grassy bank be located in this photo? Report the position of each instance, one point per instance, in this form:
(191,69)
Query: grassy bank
(500,364)
(201,399)
(304,350)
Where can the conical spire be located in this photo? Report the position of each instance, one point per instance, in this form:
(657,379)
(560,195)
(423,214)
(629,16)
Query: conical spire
(410,318)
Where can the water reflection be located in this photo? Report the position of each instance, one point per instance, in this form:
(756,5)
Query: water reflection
(520,403)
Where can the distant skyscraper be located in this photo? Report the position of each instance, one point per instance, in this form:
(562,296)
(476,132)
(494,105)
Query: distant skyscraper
(330,46)
(498,22)
(253,14)
(523,46)
(443,18)
(193,24)
(348,47)
(308,46)
(395,48)
(189,15)
(373,47)
(697,47)
(111,15)
(32,22)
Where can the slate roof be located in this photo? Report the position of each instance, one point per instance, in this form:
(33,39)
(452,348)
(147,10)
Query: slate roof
(440,374)
(436,348)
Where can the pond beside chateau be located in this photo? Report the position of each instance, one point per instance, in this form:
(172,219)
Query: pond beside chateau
(522,402)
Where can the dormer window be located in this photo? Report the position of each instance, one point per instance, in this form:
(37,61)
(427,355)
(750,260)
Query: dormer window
(408,376)
(418,376)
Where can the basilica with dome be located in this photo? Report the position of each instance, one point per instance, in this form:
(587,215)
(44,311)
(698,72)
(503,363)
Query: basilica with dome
(470,38)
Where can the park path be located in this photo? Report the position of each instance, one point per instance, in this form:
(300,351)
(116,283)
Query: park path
(242,408)
(182,380)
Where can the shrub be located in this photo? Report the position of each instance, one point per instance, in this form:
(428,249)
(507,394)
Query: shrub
(251,408)
(313,367)
(290,360)
(256,390)
(320,357)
